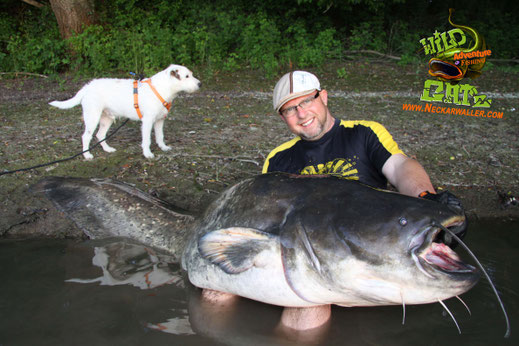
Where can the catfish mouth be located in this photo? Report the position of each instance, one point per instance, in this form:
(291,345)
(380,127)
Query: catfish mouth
(432,256)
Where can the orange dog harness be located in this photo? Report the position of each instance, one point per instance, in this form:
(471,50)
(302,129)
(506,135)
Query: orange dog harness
(167,105)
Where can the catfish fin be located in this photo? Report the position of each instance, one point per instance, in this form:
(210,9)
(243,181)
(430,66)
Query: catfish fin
(234,249)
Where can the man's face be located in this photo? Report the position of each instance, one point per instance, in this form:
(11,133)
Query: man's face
(312,122)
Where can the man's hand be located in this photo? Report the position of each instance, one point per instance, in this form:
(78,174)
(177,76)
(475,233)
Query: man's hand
(453,203)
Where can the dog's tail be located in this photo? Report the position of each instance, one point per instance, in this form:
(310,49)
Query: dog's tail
(70,102)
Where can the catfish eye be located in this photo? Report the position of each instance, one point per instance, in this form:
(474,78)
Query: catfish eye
(403,221)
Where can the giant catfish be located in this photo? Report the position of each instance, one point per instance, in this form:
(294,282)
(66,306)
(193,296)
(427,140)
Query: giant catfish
(286,240)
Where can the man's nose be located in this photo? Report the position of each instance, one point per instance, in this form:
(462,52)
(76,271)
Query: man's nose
(300,112)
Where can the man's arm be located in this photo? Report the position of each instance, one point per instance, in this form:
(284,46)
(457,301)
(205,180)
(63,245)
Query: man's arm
(407,175)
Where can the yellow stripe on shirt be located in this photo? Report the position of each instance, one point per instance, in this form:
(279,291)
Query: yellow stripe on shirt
(383,135)
(282,147)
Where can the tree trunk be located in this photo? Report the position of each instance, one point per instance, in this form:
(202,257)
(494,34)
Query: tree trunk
(72,15)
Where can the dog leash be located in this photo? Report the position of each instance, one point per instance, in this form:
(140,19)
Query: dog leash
(167,105)
(68,158)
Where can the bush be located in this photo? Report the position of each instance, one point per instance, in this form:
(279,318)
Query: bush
(260,43)
(368,35)
(145,36)
(306,49)
(34,46)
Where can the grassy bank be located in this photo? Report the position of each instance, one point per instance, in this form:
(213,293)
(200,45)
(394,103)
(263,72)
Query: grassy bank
(222,134)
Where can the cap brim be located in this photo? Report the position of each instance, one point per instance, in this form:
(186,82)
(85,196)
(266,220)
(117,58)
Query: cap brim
(293,96)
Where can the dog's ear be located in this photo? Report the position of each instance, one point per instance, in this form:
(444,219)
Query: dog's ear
(175,74)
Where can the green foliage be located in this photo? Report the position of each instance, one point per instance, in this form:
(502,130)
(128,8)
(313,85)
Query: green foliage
(32,47)
(41,55)
(368,35)
(144,36)
(402,42)
(7,26)
(342,73)
(307,49)
(260,40)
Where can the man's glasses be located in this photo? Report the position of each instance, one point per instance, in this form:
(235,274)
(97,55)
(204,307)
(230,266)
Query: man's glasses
(291,111)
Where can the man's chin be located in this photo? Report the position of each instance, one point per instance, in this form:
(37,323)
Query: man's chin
(311,137)
(312,134)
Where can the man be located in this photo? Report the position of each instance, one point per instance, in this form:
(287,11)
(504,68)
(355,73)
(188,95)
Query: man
(359,150)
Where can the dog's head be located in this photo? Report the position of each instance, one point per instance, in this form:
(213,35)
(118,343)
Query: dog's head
(181,79)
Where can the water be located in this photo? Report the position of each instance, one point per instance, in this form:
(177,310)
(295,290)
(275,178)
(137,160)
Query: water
(125,294)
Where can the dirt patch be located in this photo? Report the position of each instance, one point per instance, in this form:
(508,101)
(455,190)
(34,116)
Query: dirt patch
(223,133)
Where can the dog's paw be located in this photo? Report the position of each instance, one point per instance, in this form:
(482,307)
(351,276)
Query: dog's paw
(149,155)
(88,156)
(109,149)
(165,147)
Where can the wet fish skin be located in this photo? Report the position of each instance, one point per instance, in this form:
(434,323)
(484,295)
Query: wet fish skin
(294,241)
(105,208)
(284,240)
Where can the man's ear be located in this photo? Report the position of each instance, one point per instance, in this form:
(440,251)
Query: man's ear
(282,117)
(324,96)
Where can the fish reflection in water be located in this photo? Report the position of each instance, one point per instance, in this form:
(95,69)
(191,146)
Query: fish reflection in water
(34,291)
(131,264)
(124,263)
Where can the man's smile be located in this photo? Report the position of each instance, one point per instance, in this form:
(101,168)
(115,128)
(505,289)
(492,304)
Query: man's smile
(308,122)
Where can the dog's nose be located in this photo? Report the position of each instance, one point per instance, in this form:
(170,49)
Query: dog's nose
(199,84)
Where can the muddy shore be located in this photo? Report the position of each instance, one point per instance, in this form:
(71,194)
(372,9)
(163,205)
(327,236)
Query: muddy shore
(223,133)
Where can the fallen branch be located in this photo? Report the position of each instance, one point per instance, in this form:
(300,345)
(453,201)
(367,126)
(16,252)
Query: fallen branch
(504,60)
(34,3)
(25,73)
(216,157)
(374,52)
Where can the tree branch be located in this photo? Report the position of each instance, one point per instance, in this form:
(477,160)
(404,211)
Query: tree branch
(34,3)
(25,73)
(368,51)
(504,60)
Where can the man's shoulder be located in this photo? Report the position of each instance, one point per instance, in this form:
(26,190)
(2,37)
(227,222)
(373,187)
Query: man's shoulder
(375,131)
(287,145)
(280,148)
(373,125)
(367,128)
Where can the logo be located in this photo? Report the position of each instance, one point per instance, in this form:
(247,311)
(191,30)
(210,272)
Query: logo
(455,55)
(342,168)
(452,61)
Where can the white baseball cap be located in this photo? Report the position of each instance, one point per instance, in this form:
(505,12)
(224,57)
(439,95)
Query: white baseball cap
(293,85)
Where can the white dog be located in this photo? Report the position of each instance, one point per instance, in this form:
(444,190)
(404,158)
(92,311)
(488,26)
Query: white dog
(103,100)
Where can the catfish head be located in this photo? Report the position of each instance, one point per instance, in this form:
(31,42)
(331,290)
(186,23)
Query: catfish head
(366,248)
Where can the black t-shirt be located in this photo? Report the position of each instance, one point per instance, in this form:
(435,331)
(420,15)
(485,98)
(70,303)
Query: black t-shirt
(351,149)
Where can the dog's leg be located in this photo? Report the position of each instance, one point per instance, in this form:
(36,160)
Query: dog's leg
(159,134)
(104,124)
(91,116)
(146,138)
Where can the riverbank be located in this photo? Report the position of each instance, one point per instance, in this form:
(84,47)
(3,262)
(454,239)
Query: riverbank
(223,133)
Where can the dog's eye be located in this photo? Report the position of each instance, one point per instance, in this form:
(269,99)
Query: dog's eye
(187,76)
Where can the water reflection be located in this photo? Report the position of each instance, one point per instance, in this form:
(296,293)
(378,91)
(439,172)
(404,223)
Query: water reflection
(229,321)
(55,292)
(124,263)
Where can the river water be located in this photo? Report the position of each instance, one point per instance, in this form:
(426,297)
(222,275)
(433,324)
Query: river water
(63,292)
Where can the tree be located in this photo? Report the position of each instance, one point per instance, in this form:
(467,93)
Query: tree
(73,15)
